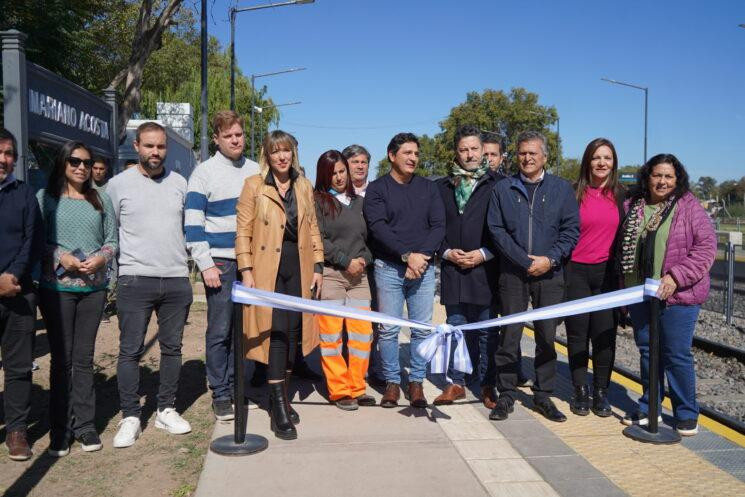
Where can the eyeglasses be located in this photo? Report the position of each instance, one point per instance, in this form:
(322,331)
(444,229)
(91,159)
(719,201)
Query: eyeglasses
(76,161)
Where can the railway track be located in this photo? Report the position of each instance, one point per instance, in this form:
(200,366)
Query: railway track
(719,349)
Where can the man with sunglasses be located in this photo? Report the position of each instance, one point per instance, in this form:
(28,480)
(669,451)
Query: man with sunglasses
(20,249)
(153,276)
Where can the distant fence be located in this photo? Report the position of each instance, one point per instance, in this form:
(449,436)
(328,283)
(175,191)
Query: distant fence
(730,224)
(727,293)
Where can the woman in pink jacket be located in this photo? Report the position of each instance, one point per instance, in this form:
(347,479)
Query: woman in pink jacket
(667,235)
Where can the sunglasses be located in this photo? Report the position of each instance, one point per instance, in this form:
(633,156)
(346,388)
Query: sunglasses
(76,161)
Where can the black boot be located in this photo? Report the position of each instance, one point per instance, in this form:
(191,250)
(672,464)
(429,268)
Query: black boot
(281,424)
(294,416)
(580,404)
(600,404)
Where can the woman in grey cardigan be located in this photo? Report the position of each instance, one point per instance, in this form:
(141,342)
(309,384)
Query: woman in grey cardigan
(346,256)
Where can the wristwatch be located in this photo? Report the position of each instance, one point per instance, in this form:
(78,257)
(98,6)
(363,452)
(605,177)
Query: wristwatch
(554,263)
(405,257)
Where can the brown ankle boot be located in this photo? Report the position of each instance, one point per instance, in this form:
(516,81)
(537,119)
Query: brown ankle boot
(18,448)
(391,395)
(416,395)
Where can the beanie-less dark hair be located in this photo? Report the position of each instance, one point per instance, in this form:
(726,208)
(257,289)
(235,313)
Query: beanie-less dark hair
(682,185)
(57,181)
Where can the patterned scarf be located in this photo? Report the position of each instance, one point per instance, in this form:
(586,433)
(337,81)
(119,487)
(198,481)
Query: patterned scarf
(464,181)
(634,230)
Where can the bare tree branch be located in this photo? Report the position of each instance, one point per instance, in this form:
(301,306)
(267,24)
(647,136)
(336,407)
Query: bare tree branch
(148,38)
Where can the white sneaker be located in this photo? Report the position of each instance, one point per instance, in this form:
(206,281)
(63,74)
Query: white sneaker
(252,404)
(169,420)
(129,432)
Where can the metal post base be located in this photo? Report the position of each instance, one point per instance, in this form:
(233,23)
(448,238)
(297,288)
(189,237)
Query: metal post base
(226,446)
(663,436)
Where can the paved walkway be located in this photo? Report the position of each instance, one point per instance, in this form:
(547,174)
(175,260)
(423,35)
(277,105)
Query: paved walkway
(456,451)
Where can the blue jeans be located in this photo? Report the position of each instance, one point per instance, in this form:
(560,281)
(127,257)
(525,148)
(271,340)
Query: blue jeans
(481,343)
(677,323)
(218,341)
(419,294)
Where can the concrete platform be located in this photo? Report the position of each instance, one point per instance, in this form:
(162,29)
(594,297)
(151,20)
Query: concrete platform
(457,451)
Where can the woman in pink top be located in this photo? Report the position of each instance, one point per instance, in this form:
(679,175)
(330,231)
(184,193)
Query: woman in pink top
(591,272)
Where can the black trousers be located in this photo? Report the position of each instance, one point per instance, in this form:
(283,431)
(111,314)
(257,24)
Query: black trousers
(515,292)
(72,320)
(137,298)
(286,325)
(598,328)
(17,316)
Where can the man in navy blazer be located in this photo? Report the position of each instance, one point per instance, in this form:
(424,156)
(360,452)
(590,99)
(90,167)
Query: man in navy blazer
(468,267)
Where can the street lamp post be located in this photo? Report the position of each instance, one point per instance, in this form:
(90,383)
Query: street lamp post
(204,152)
(646,102)
(254,77)
(261,110)
(233,11)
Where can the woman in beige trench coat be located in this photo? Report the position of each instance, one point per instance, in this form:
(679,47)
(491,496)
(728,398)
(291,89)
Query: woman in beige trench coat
(279,248)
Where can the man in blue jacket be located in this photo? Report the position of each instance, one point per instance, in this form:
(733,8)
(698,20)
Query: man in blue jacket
(20,249)
(534,223)
(468,264)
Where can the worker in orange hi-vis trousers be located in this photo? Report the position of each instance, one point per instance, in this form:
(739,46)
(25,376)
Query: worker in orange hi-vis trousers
(346,256)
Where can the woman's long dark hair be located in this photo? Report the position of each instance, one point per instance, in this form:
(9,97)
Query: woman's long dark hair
(585,171)
(682,185)
(57,181)
(324,173)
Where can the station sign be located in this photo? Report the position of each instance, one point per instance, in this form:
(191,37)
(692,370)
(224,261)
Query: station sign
(59,111)
(627,178)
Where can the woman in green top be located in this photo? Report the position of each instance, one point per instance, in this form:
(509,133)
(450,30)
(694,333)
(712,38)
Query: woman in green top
(81,239)
(667,235)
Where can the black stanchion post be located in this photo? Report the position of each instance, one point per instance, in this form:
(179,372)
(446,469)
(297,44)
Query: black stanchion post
(240,443)
(653,433)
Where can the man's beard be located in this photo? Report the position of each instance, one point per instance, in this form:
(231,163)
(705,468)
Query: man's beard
(149,165)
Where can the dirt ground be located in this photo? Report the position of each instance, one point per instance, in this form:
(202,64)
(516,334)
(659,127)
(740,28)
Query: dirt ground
(159,464)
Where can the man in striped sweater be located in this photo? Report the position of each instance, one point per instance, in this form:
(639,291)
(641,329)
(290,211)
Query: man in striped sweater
(209,224)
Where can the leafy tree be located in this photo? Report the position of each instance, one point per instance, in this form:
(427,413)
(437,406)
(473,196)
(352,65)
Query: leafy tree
(629,169)
(732,191)
(428,160)
(507,114)
(491,110)
(148,37)
(706,187)
(182,83)
(148,49)
(569,169)
(71,38)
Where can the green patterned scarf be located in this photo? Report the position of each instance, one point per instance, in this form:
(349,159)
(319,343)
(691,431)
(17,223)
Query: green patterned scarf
(634,231)
(464,181)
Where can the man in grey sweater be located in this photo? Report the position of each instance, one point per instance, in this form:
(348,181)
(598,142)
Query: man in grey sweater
(153,276)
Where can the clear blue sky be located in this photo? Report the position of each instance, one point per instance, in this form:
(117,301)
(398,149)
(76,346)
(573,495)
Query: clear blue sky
(377,67)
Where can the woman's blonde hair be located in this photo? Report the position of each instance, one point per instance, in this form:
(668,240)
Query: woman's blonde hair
(304,192)
(271,142)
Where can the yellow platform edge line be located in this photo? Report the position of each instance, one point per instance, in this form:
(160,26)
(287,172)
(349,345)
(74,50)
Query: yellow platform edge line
(711,424)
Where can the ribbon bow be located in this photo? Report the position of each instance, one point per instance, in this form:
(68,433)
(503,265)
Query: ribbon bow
(435,349)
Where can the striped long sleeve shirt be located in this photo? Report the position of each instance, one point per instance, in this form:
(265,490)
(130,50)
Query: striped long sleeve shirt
(210,211)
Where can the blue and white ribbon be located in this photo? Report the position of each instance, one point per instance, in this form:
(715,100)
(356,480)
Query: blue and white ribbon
(435,349)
